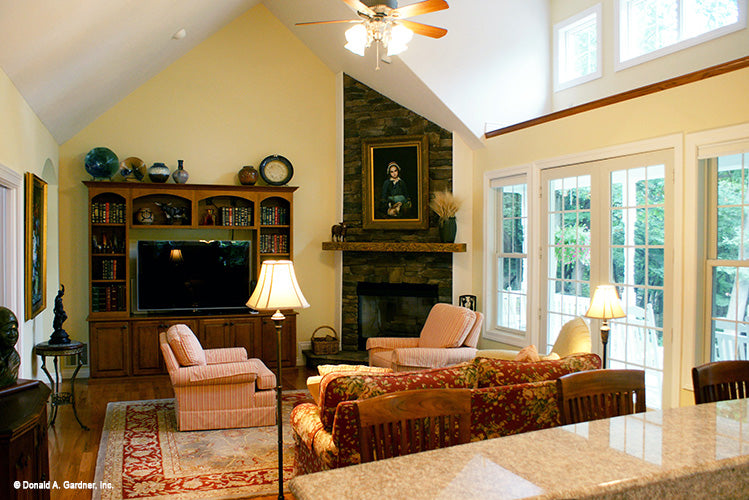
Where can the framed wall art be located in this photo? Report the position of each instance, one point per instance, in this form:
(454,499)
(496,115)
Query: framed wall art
(395,183)
(36,245)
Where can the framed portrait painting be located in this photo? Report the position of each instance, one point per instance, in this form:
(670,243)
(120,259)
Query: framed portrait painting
(36,245)
(395,182)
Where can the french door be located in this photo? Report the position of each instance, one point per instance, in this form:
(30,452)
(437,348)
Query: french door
(610,221)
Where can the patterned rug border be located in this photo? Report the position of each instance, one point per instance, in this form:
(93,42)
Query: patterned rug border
(114,406)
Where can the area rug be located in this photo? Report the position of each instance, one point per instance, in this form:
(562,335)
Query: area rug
(142,455)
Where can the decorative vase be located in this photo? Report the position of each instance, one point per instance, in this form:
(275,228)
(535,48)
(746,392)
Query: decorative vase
(180,175)
(247,175)
(101,163)
(448,229)
(158,172)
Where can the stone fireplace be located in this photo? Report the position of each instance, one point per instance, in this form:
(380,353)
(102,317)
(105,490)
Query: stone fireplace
(424,275)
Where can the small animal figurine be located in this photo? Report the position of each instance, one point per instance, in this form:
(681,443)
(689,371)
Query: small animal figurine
(172,214)
(338,232)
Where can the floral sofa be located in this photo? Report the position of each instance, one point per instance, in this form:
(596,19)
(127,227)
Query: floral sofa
(508,397)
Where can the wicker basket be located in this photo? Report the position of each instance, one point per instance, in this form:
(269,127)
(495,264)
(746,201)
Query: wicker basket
(327,344)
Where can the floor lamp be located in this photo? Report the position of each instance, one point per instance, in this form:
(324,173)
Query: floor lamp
(277,289)
(605,305)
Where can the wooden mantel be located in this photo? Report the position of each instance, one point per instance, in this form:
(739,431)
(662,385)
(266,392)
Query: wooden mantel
(392,246)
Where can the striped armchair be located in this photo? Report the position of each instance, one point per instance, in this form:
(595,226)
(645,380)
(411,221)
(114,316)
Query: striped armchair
(449,337)
(216,388)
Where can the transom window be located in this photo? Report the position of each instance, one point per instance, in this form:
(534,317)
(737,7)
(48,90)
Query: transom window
(652,28)
(577,47)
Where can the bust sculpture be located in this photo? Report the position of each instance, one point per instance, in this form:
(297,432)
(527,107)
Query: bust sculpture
(59,336)
(9,358)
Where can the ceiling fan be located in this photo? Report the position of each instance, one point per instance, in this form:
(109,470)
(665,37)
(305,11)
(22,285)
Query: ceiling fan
(383,23)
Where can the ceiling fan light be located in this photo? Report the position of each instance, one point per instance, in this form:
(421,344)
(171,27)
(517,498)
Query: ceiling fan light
(400,35)
(356,36)
(395,49)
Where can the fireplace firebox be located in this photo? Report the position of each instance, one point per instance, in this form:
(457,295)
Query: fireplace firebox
(393,309)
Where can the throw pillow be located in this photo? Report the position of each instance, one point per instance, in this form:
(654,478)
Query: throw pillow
(446,326)
(185,346)
(494,372)
(574,336)
(313,383)
(529,353)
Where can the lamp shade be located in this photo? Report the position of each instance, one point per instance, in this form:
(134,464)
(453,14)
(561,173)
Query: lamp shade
(357,39)
(605,304)
(277,288)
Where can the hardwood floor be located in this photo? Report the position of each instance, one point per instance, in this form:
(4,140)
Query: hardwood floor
(73,451)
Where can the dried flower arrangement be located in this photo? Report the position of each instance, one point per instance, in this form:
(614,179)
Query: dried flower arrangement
(445,205)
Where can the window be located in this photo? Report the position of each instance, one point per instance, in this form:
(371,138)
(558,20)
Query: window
(728,256)
(577,48)
(508,309)
(648,29)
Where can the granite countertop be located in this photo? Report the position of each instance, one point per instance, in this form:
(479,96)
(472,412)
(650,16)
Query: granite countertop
(695,451)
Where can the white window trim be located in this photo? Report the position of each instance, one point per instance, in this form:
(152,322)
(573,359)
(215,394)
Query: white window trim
(13,285)
(698,145)
(558,86)
(670,49)
(504,335)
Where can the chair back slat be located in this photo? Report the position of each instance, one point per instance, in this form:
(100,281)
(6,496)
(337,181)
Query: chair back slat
(407,422)
(720,381)
(597,394)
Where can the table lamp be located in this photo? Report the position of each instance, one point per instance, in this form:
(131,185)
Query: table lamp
(605,305)
(277,289)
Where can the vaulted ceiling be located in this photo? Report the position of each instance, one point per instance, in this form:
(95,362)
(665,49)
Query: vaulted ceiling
(75,59)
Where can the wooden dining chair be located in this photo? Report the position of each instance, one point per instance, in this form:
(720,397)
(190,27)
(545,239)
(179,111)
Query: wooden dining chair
(597,394)
(720,380)
(406,422)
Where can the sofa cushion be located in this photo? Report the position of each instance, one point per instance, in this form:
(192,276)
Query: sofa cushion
(313,383)
(492,372)
(185,346)
(446,326)
(338,387)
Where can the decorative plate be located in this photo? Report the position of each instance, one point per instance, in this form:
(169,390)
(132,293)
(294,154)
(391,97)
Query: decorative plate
(101,163)
(276,170)
(133,166)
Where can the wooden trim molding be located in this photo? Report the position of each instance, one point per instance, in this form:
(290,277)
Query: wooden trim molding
(391,246)
(696,76)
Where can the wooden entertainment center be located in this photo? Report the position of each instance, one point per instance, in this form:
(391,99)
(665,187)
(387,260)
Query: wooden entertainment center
(123,342)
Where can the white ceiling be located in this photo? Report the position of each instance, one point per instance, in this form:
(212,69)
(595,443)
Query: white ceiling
(74,59)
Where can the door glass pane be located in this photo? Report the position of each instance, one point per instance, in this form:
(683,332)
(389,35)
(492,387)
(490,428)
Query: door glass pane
(512,275)
(638,267)
(568,250)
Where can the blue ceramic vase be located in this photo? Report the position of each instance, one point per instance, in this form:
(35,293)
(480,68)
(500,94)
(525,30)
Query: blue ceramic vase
(158,172)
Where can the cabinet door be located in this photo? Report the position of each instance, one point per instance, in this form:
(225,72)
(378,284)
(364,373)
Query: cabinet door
(110,348)
(147,357)
(246,332)
(215,333)
(288,342)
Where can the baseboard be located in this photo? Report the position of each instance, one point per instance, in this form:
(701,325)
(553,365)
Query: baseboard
(300,347)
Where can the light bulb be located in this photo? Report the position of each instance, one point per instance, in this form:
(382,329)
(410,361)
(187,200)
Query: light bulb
(356,36)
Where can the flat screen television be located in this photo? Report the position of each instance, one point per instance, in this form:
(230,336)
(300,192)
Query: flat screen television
(193,275)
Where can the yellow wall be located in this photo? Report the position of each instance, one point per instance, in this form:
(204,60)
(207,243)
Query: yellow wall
(27,146)
(249,91)
(709,104)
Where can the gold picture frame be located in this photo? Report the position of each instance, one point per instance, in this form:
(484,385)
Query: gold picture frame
(36,245)
(395,182)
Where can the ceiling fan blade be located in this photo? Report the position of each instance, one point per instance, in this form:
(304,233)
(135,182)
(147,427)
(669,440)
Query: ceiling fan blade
(330,22)
(423,29)
(359,7)
(416,9)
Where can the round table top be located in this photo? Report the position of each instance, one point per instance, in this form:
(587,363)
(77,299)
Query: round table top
(47,349)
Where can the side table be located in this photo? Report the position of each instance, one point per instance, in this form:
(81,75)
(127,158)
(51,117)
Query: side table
(73,348)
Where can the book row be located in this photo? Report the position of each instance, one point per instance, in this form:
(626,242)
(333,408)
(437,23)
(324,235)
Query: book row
(108,298)
(107,213)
